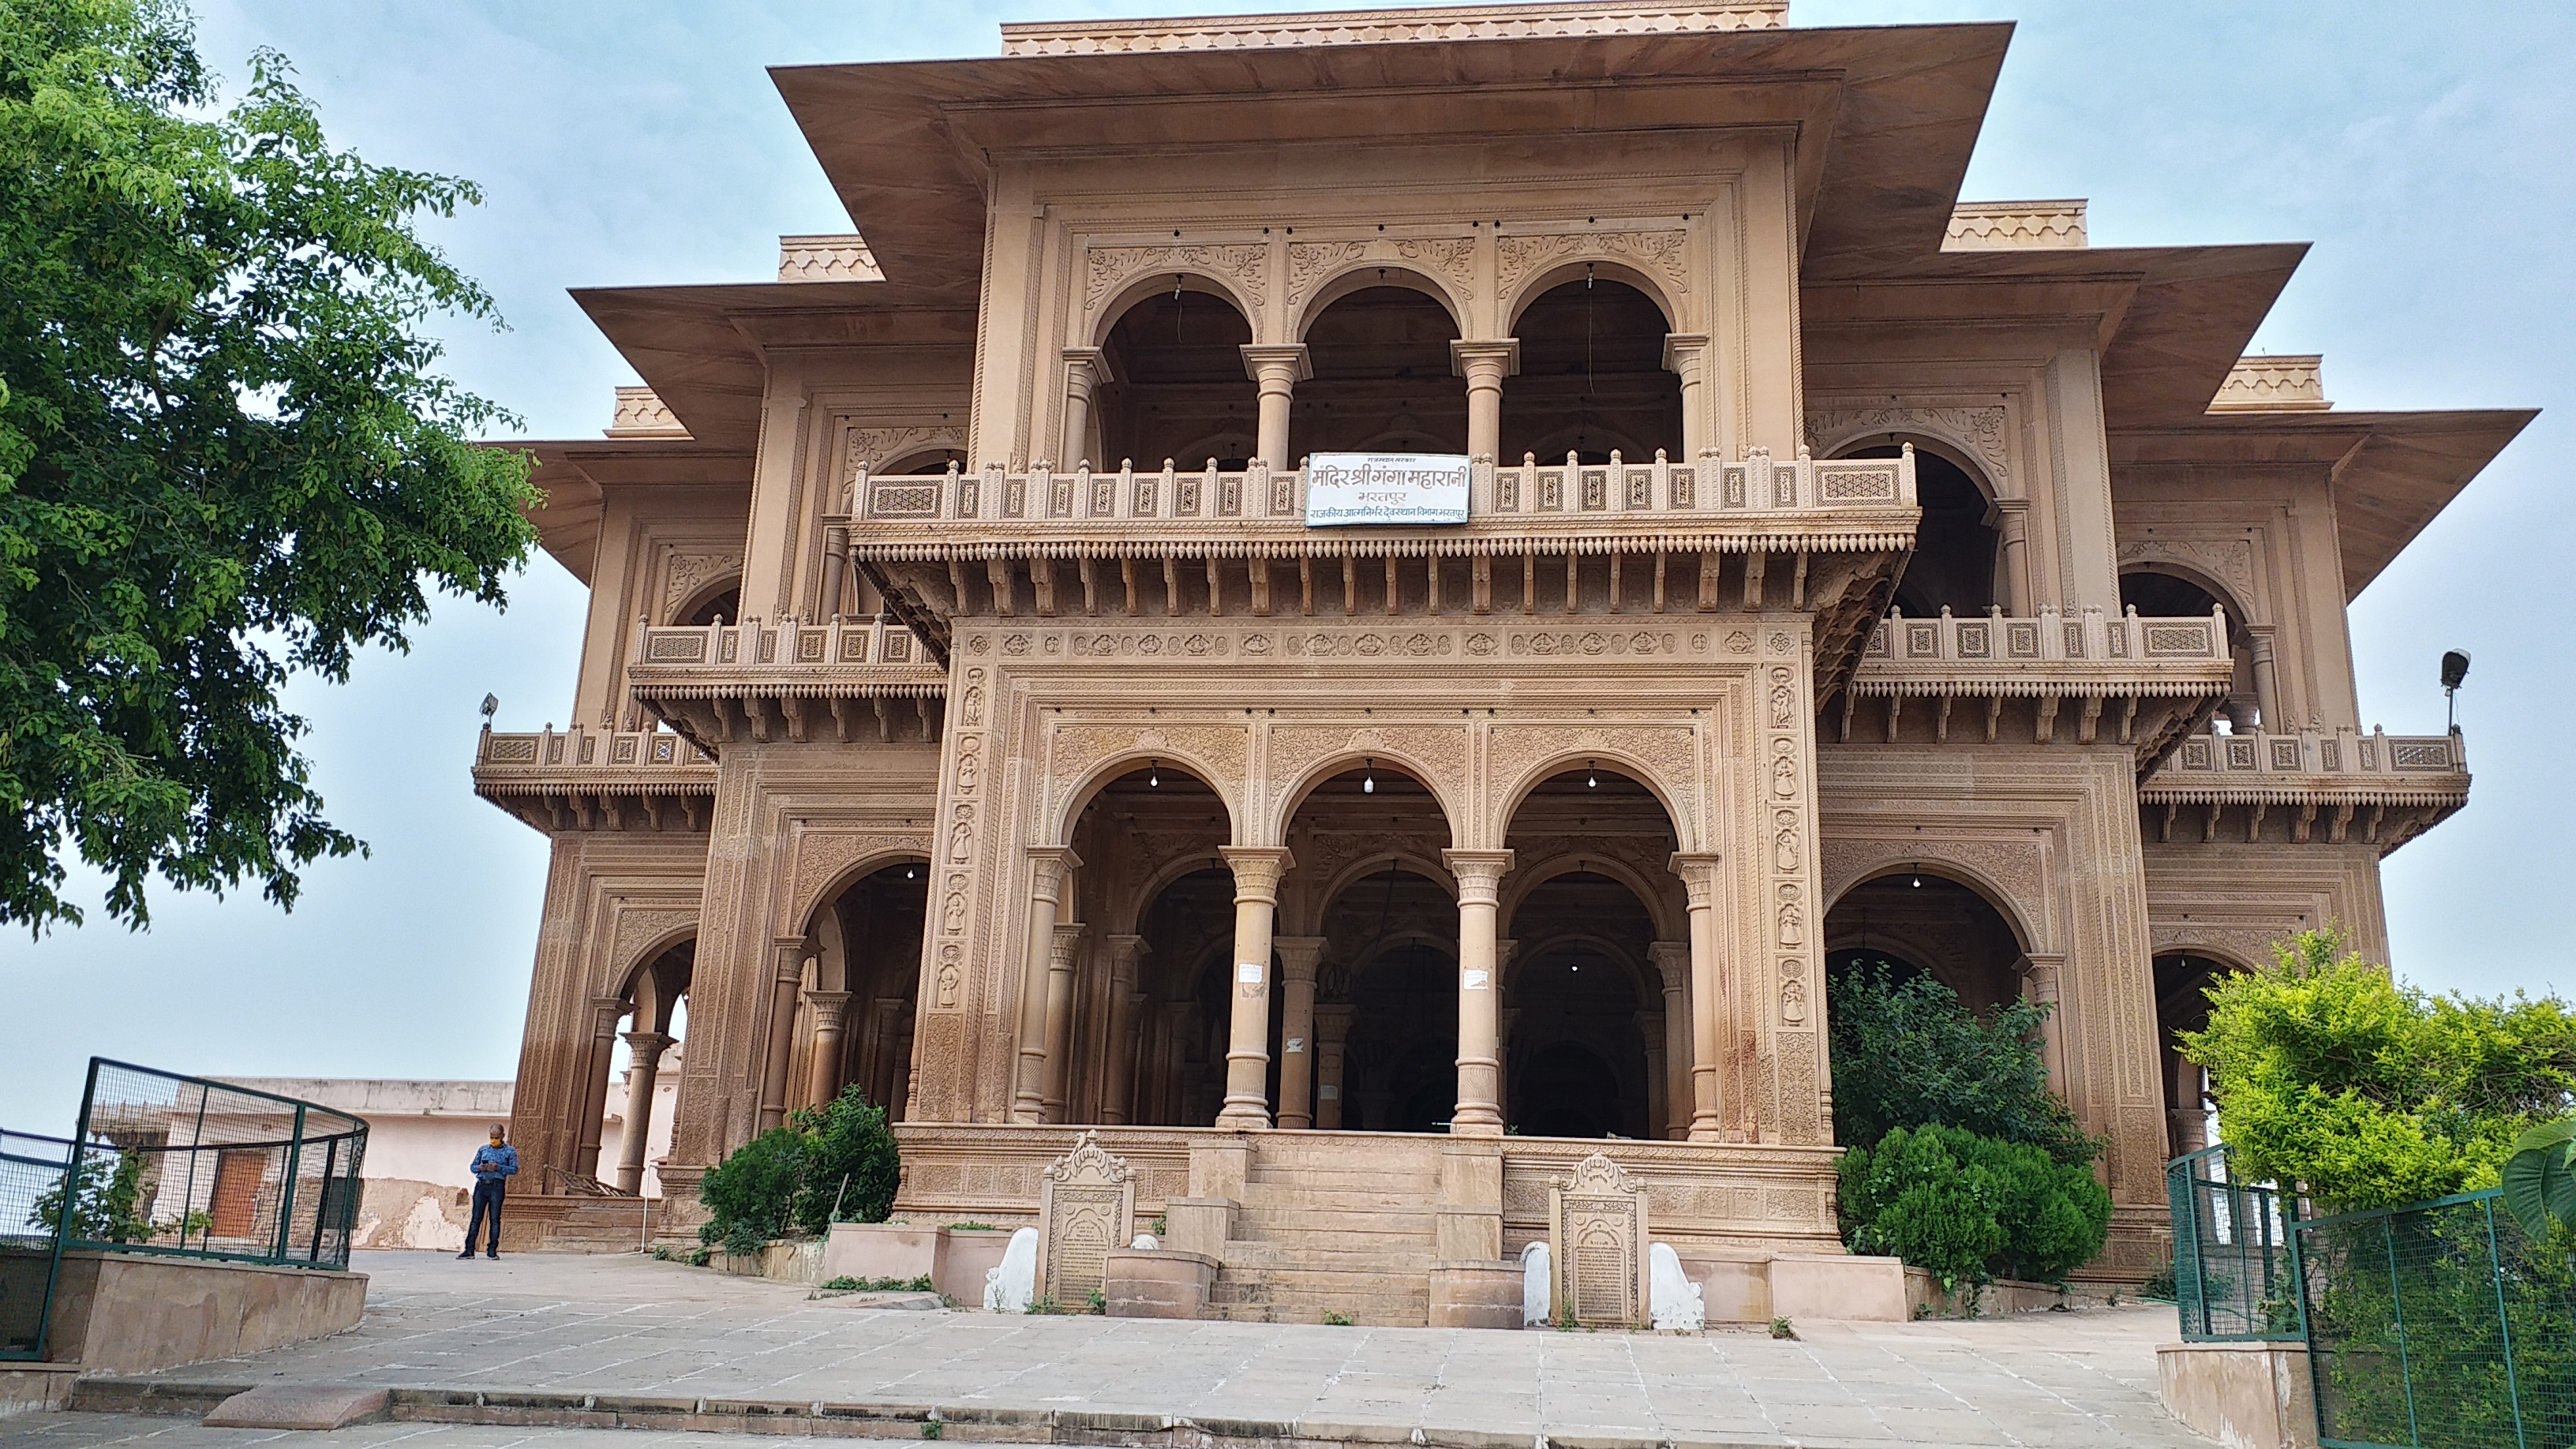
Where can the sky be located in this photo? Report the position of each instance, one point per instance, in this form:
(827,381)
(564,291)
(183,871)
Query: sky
(643,142)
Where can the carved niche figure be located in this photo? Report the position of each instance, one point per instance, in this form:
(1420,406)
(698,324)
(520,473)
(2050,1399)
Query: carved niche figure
(1784,702)
(1784,778)
(1793,919)
(952,914)
(948,980)
(961,836)
(1784,842)
(969,762)
(1793,1002)
(970,707)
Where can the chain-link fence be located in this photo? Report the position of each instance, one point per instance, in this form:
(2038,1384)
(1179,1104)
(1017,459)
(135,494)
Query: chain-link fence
(2232,1272)
(170,1164)
(31,1188)
(2440,1325)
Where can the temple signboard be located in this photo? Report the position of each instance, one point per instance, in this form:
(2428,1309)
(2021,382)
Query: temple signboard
(1344,489)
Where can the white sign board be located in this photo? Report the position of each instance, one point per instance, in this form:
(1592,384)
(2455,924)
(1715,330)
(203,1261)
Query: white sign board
(1385,488)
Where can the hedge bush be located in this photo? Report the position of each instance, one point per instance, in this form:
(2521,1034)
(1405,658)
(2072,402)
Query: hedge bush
(1966,1207)
(1908,1054)
(791,1178)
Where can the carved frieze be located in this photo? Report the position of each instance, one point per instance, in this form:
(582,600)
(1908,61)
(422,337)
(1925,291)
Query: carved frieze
(684,573)
(1985,433)
(1310,262)
(1245,264)
(1663,254)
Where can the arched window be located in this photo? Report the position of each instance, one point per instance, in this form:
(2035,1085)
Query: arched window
(1954,547)
(1176,380)
(1382,381)
(1592,377)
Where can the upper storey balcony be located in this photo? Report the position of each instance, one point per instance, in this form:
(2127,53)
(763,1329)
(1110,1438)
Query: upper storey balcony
(580,779)
(2326,786)
(784,679)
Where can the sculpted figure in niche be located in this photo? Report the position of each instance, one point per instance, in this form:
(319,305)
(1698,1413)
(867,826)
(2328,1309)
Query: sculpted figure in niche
(1784,778)
(961,836)
(952,914)
(968,760)
(1784,843)
(1793,920)
(947,990)
(1793,1002)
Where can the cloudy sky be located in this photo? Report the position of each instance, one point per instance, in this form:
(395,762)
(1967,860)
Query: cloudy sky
(642,142)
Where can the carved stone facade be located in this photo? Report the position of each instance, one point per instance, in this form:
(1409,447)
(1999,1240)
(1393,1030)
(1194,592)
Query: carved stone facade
(969,715)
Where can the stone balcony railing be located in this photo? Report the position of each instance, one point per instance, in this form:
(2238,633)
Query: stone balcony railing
(2331,785)
(765,680)
(1850,504)
(2146,681)
(596,779)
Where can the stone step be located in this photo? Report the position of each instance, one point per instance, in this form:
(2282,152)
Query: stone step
(1327,1219)
(1359,1194)
(1395,1258)
(1361,1313)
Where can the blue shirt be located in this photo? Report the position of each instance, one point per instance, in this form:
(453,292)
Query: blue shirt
(492,1164)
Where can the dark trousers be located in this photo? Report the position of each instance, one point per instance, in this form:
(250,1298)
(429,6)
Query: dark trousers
(487,1202)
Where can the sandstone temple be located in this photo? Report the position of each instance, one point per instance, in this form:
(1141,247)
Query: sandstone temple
(968,709)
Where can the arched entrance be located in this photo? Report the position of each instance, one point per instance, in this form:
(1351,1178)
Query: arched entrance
(1175,386)
(2183,979)
(1914,921)
(1956,549)
(2156,592)
(1592,378)
(1381,380)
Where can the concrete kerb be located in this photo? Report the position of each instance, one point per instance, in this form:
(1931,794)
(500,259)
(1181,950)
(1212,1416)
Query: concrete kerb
(964,1423)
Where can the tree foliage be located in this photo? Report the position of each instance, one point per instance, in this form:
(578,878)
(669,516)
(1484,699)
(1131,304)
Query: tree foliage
(223,456)
(2367,1093)
(1908,1054)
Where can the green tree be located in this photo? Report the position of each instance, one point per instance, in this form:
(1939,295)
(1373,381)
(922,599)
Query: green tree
(1908,1054)
(851,1168)
(2367,1093)
(223,456)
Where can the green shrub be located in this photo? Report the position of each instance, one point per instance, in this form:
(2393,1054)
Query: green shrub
(791,1177)
(2330,1074)
(104,1201)
(1967,1208)
(851,1169)
(1908,1054)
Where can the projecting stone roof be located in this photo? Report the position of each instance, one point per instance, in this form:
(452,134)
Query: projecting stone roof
(1367,27)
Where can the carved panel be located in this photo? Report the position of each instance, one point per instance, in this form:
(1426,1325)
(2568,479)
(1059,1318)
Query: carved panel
(1984,433)
(683,574)
(1597,1237)
(637,929)
(821,856)
(1663,254)
(1308,262)
(1086,1206)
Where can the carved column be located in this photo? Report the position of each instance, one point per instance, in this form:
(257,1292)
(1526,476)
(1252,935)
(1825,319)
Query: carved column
(1650,1031)
(2011,517)
(1061,957)
(836,569)
(788,973)
(1479,874)
(1485,365)
(2267,679)
(2040,985)
(1118,1094)
(1298,957)
(1278,368)
(1686,355)
(831,1009)
(1698,874)
(643,1062)
(1085,368)
(1047,867)
(1506,1019)
(1673,963)
(1332,1035)
(1256,902)
(593,1101)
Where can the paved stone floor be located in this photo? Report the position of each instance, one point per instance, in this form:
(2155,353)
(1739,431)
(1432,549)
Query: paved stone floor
(630,1325)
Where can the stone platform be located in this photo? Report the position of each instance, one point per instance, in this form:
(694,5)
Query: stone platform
(557,1347)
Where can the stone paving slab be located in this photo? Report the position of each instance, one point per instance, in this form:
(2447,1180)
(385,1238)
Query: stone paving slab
(627,1325)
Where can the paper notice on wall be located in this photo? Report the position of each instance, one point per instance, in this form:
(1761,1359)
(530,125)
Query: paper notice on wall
(1296,1044)
(1248,972)
(1476,981)
(1344,489)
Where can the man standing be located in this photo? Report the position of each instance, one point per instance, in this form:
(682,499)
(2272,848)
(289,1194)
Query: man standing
(494,1164)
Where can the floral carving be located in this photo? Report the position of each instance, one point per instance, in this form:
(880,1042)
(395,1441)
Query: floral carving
(1308,262)
(1664,253)
(1984,432)
(1453,258)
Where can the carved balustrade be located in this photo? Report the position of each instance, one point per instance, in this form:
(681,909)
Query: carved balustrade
(1529,495)
(789,679)
(580,779)
(2152,679)
(2328,785)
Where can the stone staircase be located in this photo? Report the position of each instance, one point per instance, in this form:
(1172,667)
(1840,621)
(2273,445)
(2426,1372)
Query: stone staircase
(1322,1231)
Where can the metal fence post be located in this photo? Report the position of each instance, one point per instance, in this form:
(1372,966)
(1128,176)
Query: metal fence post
(2397,1303)
(2504,1325)
(286,1188)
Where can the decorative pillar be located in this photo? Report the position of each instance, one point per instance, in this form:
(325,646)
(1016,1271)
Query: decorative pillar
(1650,1032)
(1698,874)
(788,974)
(1686,355)
(1047,867)
(1673,963)
(1332,1035)
(643,1061)
(1257,869)
(592,1103)
(2011,516)
(836,569)
(1278,368)
(1506,1020)
(1061,956)
(1479,874)
(1485,365)
(2040,986)
(1298,958)
(1118,1094)
(823,1081)
(1085,369)
(2267,679)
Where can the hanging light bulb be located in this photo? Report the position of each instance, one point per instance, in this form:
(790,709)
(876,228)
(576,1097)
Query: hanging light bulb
(1153,776)
(908,872)
(1918,880)
(1591,781)
(1368,778)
